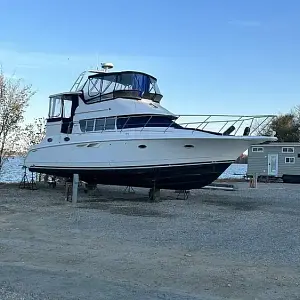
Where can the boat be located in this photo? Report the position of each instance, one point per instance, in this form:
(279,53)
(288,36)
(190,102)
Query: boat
(112,129)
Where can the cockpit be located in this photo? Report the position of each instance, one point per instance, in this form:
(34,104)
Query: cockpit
(128,84)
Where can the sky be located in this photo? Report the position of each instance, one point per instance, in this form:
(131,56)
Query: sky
(210,57)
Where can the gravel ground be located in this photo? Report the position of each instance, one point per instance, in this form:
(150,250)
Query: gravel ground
(240,244)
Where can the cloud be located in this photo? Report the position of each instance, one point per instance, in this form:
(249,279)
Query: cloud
(245,23)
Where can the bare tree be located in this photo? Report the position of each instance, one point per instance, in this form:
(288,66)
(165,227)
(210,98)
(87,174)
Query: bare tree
(14,98)
(33,133)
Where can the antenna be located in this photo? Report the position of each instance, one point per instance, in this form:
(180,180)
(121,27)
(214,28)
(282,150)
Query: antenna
(106,66)
(97,67)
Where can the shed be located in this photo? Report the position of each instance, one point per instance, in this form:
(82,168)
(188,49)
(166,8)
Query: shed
(275,160)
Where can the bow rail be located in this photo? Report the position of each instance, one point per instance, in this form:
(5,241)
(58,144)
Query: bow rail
(226,124)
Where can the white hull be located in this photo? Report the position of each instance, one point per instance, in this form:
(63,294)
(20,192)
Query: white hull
(104,150)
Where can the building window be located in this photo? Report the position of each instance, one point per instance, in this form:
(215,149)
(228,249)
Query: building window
(257,149)
(290,160)
(287,149)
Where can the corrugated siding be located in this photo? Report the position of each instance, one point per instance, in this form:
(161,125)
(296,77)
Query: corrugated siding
(292,169)
(258,161)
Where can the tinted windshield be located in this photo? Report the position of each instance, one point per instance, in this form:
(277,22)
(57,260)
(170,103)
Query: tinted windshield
(118,85)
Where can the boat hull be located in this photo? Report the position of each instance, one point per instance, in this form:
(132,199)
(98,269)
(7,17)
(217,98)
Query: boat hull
(184,177)
(168,162)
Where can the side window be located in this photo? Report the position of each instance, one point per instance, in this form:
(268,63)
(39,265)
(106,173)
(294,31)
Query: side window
(55,107)
(99,124)
(90,125)
(82,124)
(110,124)
(67,109)
(121,121)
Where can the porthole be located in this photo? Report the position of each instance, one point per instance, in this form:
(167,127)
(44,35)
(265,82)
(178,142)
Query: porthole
(142,146)
(189,146)
(49,140)
(66,138)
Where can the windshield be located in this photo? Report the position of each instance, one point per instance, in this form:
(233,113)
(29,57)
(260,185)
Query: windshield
(121,85)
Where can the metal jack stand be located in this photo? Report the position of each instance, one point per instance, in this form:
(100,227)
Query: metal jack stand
(184,193)
(25,183)
(129,190)
(68,191)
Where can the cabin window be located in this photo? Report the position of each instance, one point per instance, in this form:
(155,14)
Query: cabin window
(290,160)
(97,124)
(90,125)
(257,149)
(55,107)
(67,109)
(110,124)
(100,123)
(287,149)
(146,121)
(126,122)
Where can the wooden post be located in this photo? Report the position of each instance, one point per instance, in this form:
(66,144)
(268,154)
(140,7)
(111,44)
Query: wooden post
(253,181)
(75,188)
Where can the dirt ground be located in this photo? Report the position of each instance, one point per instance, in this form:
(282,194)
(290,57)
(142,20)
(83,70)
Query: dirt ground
(242,244)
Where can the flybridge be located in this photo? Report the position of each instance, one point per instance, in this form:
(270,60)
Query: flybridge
(100,85)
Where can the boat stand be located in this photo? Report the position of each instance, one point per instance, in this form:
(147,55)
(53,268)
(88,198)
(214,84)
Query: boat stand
(154,194)
(71,191)
(129,190)
(25,183)
(185,194)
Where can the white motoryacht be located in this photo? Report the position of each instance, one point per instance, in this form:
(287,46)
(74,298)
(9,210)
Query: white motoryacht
(112,129)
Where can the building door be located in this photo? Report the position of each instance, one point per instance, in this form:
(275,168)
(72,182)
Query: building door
(273,164)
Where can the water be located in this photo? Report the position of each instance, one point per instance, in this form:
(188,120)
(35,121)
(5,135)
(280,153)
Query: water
(12,170)
(235,171)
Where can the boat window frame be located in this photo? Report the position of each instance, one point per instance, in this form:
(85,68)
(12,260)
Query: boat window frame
(145,124)
(51,115)
(64,98)
(155,96)
(83,124)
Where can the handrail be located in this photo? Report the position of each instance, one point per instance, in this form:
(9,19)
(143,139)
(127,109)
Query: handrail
(209,123)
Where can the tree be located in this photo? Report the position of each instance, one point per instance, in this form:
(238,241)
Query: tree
(14,98)
(286,126)
(33,133)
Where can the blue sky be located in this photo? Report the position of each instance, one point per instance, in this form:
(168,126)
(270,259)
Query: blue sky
(213,56)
